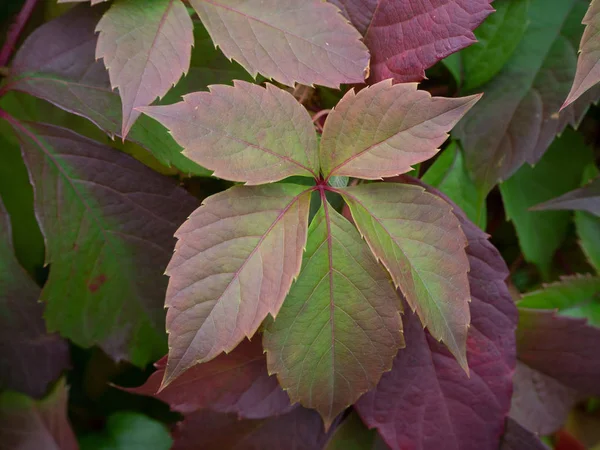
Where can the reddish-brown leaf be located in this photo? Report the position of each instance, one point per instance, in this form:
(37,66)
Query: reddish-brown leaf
(233,265)
(384,129)
(234,383)
(427,401)
(406,37)
(586,198)
(244,133)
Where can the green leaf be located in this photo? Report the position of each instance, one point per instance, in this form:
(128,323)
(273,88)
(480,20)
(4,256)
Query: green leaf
(449,174)
(498,37)
(339,328)
(108,223)
(384,129)
(28,424)
(573,296)
(542,232)
(146,46)
(129,431)
(306,42)
(353,434)
(233,265)
(244,133)
(453,63)
(420,242)
(588,230)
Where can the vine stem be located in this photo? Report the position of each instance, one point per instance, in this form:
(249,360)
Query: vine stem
(15,31)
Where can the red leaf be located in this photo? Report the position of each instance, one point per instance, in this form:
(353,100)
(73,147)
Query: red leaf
(237,382)
(427,401)
(406,37)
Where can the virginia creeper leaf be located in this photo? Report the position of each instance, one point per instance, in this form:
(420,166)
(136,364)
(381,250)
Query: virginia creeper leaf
(588,67)
(67,75)
(352,434)
(146,46)
(244,133)
(588,230)
(406,37)
(564,348)
(540,403)
(339,327)
(30,359)
(427,401)
(516,437)
(306,42)
(108,223)
(559,171)
(27,424)
(234,383)
(420,242)
(129,431)
(300,429)
(586,198)
(573,296)
(233,265)
(384,129)
(497,39)
(518,117)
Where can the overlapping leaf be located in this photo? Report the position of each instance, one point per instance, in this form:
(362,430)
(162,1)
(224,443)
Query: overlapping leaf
(560,170)
(244,133)
(427,401)
(108,223)
(406,37)
(352,434)
(384,129)
(146,46)
(234,383)
(68,75)
(30,359)
(518,117)
(339,327)
(420,242)
(586,198)
(588,230)
(588,63)
(306,42)
(233,265)
(518,438)
(26,424)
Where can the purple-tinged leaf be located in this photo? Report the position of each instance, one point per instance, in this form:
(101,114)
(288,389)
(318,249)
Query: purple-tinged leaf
(233,265)
(516,437)
(588,63)
(146,46)
(518,117)
(244,133)
(234,383)
(419,240)
(300,429)
(427,401)
(564,348)
(67,75)
(540,403)
(26,424)
(586,198)
(384,129)
(406,37)
(306,42)
(108,222)
(339,328)
(30,358)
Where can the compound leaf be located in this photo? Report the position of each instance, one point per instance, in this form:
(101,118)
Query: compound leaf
(384,129)
(237,382)
(244,133)
(427,401)
(306,42)
(146,46)
(339,327)
(406,37)
(108,223)
(420,242)
(234,264)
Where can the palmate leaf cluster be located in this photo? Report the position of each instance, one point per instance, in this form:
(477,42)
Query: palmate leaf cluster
(256,189)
